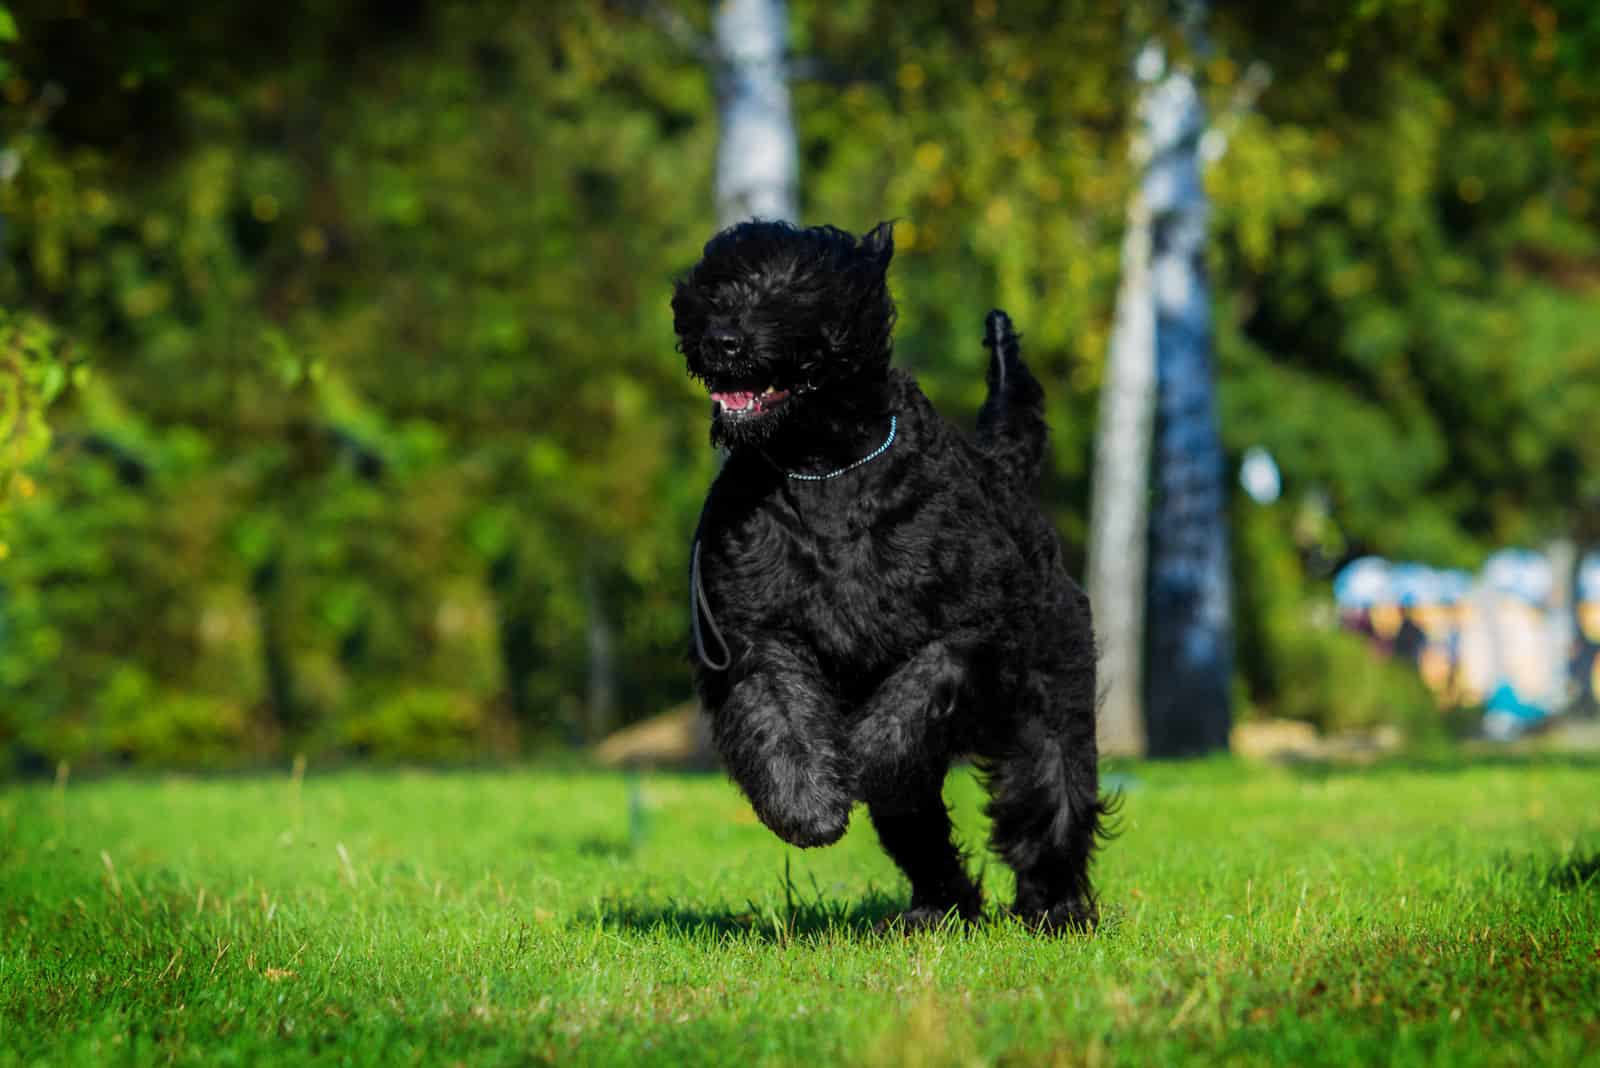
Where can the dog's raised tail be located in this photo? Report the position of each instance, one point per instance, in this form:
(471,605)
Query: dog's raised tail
(1011,425)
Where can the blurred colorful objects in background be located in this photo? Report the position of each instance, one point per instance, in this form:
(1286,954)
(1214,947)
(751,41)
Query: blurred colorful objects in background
(1499,642)
(1586,651)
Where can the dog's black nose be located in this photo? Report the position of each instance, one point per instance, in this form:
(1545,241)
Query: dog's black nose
(723,342)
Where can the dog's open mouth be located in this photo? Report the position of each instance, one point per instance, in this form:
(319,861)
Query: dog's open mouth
(743,403)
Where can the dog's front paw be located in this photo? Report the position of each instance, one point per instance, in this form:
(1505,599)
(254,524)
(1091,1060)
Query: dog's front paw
(810,833)
(806,824)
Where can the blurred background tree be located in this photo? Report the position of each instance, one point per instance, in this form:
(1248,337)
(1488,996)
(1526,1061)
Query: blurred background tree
(385,425)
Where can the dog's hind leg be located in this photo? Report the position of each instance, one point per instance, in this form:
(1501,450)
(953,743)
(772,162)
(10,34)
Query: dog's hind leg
(914,829)
(779,732)
(1046,806)
(901,744)
(907,728)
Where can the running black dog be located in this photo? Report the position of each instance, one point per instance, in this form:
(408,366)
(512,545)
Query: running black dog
(875,592)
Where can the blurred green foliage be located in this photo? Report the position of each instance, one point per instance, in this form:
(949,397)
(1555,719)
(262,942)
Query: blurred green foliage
(386,435)
(33,373)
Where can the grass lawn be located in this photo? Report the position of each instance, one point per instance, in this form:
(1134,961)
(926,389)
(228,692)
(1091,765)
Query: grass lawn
(1407,914)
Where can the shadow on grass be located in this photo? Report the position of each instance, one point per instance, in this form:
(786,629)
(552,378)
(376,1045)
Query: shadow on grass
(1579,871)
(776,921)
(869,916)
(591,846)
(1575,869)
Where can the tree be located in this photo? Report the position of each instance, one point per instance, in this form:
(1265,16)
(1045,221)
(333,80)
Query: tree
(1164,636)
(1189,629)
(1119,512)
(756,155)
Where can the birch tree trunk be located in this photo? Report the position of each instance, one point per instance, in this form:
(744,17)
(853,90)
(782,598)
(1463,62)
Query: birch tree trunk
(1119,509)
(757,158)
(1159,582)
(1189,634)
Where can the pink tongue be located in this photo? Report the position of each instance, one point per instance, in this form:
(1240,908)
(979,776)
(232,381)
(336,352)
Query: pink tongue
(736,402)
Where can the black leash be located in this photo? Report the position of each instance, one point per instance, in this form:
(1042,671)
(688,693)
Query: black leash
(698,603)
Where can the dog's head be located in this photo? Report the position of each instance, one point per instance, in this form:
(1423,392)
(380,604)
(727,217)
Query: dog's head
(781,322)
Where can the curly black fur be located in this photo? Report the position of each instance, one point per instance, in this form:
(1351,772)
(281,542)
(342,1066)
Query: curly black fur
(882,623)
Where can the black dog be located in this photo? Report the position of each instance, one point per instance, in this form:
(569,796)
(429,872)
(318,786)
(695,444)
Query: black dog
(875,592)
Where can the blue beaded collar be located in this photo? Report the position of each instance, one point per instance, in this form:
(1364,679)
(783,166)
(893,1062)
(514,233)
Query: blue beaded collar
(867,459)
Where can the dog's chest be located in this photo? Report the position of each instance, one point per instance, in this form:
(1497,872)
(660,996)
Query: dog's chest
(858,582)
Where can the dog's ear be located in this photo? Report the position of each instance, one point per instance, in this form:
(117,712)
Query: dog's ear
(878,244)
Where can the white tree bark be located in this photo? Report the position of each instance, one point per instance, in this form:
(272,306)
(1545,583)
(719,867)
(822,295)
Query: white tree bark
(757,158)
(1119,509)
(1169,575)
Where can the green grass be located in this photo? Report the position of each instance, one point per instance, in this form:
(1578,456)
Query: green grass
(1410,915)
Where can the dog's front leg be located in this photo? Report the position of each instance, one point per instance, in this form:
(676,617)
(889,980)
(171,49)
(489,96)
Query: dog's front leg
(777,727)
